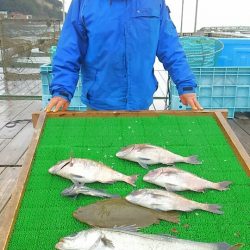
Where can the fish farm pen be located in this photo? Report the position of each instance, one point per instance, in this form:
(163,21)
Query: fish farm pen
(39,216)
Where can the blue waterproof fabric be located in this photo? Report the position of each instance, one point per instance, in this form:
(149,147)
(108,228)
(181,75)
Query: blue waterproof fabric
(114,45)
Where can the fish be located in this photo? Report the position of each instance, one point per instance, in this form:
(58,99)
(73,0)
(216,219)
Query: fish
(75,190)
(119,212)
(174,179)
(146,154)
(167,201)
(123,238)
(88,171)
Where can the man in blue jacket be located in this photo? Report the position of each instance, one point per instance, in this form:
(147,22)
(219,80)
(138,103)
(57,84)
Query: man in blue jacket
(113,43)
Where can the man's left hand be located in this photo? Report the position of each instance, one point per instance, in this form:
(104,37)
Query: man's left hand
(191,100)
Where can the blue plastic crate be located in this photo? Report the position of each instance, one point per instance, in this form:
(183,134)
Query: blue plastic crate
(46,77)
(52,52)
(236,52)
(219,88)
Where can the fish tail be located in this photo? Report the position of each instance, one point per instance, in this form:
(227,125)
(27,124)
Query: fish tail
(192,160)
(225,246)
(235,247)
(131,180)
(213,208)
(223,185)
(71,192)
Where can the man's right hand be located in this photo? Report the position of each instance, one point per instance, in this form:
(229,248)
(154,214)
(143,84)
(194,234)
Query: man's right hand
(57,103)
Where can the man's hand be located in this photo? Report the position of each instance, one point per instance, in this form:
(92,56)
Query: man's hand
(190,99)
(57,102)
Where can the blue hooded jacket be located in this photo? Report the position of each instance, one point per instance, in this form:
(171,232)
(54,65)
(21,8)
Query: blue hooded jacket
(114,44)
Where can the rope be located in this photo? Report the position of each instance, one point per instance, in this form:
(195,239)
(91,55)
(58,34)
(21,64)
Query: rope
(12,124)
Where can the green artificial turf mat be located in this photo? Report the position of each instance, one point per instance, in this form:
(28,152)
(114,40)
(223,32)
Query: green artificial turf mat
(45,216)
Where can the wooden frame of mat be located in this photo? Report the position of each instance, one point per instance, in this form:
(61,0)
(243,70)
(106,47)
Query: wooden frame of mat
(11,210)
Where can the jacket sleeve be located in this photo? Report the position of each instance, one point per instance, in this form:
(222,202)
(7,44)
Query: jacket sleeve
(69,55)
(171,54)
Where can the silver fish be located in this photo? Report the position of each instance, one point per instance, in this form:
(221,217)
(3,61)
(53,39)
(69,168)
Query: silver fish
(75,190)
(88,171)
(173,179)
(167,201)
(146,154)
(125,238)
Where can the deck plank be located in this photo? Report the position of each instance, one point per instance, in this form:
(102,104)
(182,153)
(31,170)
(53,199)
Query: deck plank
(11,154)
(242,135)
(22,159)
(13,109)
(9,133)
(2,169)
(243,123)
(19,87)
(4,143)
(8,179)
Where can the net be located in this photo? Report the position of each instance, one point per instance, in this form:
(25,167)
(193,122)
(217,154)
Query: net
(201,51)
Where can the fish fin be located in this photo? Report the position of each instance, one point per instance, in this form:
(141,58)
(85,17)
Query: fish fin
(201,190)
(213,208)
(77,177)
(108,195)
(171,187)
(67,194)
(144,165)
(73,196)
(192,160)
(142,147)
(156,206)
(70,192)
(144,159)
(111,195)
(106,242)
(96,243)
(171,216)
(132,179)
(223,185)
(71,162)
(168,236)
(130,228)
